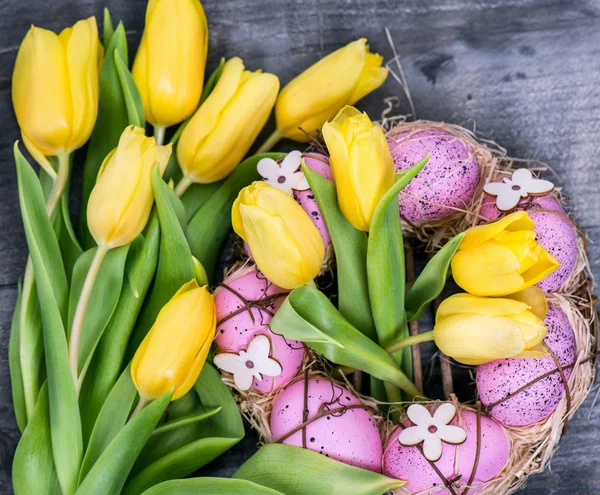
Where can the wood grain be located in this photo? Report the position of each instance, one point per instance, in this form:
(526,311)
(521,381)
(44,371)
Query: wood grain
(526,71)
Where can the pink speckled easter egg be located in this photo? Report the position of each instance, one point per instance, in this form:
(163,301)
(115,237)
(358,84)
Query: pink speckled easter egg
(449,180)
(349,435)
(409,464)
(498,379)
(320,164)
(554,232)
(235,333)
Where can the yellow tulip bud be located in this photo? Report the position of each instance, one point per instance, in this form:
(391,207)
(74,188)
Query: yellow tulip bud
(476,330)
(361,164)
(502,257)
(122,198)
(55,88)
(341,78)
(285,243)
(169,65)
(173,353)
(222,130)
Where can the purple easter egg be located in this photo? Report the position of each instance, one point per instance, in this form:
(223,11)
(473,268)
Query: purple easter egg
(448,180)
(409,464)
(554,232)
(498,379)
(236,331)
(347,435)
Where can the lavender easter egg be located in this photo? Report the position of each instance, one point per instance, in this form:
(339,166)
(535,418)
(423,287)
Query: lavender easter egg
(306,199)
(409,464)
(347,435)
(448,181)
(246,302)
(501,378)
(555,233)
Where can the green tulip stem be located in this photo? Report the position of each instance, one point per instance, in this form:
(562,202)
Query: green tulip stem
(159,134)
(140,405)
(29,342)
(410,341)
(183,185)
(84,299)
(271,141)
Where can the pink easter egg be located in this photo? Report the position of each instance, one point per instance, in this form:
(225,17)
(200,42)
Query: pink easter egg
(409,464)
(306,199)
(554,232)
(448,180)
(498,379)
(348,435)
(237,325)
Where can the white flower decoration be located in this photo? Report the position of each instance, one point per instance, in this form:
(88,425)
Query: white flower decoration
(285,176)
(521,184)
(432,430)
(249,364)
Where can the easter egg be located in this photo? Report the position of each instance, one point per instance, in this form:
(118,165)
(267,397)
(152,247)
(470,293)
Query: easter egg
(448,181)
(554,232)
(347,435)
(245,303)
(499,379)
(409,463)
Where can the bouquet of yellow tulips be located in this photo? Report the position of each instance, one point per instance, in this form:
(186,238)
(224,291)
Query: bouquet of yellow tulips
(125,340)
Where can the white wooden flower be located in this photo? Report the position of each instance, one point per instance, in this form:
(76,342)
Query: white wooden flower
(252,363)
(286,176)
(521,184)
(432,430)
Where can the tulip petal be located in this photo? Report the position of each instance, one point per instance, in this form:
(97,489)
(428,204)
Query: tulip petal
(532,327)
(546,265)
(371,77)
(535,298)
(38,156)
(487,270)
(478,338)
(516,221)
(469,304)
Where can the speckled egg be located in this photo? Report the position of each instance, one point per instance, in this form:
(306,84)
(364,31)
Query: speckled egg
(349,435)
(498,379)
(237,328)
(449,180)
(409,464)
(554,232)
(320,164)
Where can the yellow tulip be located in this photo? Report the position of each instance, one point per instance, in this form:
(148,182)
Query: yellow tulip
(55,89)
(476,330)
(341,78)
(361,164)
(222,130)
(502,257)
(173,353)
(122,198)
(286,245)
(169,65)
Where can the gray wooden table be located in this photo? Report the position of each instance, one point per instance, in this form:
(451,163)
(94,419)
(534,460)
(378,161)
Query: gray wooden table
(527,72)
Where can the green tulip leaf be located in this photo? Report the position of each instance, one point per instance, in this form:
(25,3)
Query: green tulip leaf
(112,119)
(113,416)
(196,195)
(185,449)
(33,465)
(308,316)
(14,363)
(131,94)
(431,281)
(350,246)
(107,361)
(211,224)
(178,207)
(296,471)
(108,29)
(134,265)
(175,264)
(386,272)
(52,290)
(186,420)
(212,486)
(110,471)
